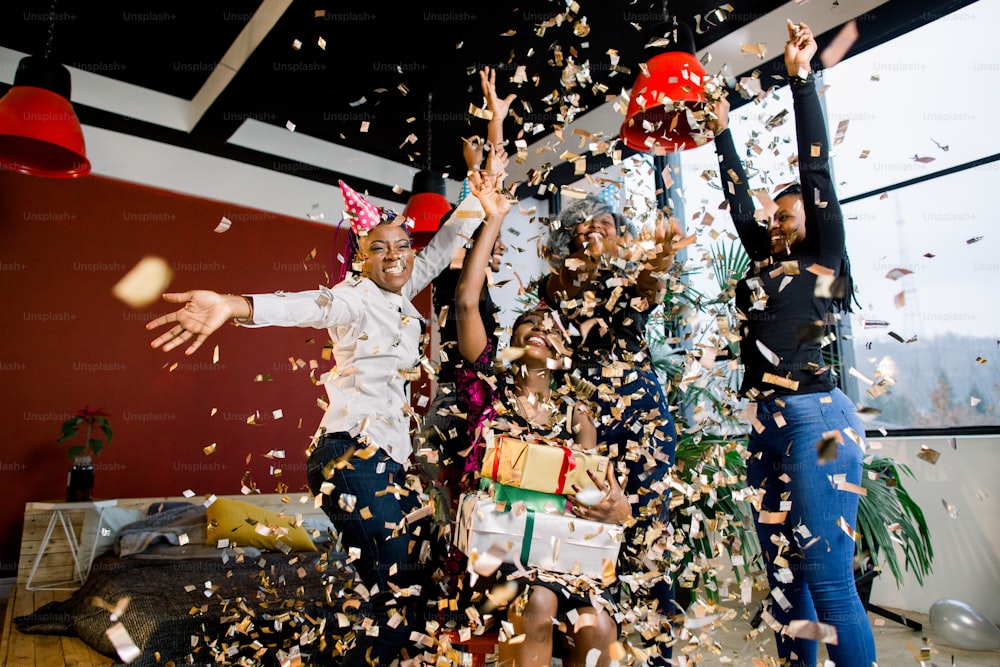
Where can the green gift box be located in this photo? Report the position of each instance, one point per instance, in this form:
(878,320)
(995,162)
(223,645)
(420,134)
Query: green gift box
(538,501)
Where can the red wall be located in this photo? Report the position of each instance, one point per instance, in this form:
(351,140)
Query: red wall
(68,342)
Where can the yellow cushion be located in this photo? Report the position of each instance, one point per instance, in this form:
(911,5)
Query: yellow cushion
(246,525)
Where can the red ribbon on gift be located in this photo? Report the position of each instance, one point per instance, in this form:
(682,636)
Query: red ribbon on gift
(569,462)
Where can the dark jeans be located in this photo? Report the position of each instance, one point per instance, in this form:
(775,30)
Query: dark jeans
(388,561)
(658,442)
(785,463)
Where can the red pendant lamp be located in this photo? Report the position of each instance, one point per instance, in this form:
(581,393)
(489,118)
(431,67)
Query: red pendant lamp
(428,202)
(40,134)
(669,89)
(428,199)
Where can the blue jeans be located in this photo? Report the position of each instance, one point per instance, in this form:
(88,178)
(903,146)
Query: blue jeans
(388,559)
(785,463)
(658,440)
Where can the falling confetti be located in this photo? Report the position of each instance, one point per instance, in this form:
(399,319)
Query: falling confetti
(144,284)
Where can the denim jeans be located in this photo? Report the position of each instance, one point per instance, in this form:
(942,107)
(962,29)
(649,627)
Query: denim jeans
(646,397)
(785,463)
(387,560)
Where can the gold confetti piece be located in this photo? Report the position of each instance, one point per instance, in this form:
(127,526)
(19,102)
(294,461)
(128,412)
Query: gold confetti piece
(780,381)
(852,488)
(773,358)
(864,154)
(951,509)
(215,355)
(210,449)
(321,43)
(821,632)
(144,283)
(510,353)
(841,44)
(899,300)
(296,44)
(223,225)
(826,447)
(758,49)
(928,454)
(290,126)
(124,646)
(980,360)
(844,526)
(922,160)
(897,273)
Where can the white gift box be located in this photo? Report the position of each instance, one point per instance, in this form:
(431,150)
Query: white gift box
(554,542)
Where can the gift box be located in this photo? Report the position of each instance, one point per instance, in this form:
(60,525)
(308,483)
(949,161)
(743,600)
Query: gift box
(553,542)
(541,466)
(538,501)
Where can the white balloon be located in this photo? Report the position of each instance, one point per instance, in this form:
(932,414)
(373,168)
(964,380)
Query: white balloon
(963,626)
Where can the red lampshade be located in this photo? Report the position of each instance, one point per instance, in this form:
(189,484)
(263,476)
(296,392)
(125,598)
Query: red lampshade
(428,203)
(669,88)
(40,134)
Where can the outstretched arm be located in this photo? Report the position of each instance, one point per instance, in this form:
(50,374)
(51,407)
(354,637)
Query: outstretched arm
(472,334)
(204,311)
(735,186)
(824,219)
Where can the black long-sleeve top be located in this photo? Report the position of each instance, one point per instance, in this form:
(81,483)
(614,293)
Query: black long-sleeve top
(785,300)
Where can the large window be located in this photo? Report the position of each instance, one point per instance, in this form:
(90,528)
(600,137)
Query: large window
(920,224)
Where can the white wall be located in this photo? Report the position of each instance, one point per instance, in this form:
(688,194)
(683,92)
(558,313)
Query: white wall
(967,545)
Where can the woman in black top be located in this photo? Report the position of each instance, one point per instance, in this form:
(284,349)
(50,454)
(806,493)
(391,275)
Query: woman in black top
(806,441)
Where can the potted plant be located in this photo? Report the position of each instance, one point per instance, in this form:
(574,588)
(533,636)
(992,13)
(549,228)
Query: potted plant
(88,432)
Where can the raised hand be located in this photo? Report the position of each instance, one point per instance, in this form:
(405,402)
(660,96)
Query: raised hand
(499,106)
(800,49)
(203,313)
(472,151)
(488,189)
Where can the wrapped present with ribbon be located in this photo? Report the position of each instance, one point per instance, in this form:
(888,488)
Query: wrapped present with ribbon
(541,466)
(553,542)
(538,501)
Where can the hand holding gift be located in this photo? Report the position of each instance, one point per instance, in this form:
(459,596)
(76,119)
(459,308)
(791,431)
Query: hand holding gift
(604,502)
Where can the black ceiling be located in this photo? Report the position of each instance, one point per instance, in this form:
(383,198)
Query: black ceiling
(409,70)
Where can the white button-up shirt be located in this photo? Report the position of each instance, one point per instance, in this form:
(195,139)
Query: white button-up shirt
(376,339)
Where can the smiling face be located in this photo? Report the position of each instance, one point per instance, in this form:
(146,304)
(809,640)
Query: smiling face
(531,332)
(788,226)
(596,229)
(387,256)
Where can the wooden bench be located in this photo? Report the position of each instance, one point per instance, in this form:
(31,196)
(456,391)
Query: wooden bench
(57,566)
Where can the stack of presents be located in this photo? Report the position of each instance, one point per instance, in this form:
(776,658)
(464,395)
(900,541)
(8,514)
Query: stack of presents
(520,515)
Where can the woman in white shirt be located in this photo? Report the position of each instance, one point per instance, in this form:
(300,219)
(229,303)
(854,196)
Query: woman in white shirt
(363,444)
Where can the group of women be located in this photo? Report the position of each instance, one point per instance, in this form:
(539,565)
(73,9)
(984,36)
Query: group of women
(578,371)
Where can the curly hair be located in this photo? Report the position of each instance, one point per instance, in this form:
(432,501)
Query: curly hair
(559,244)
